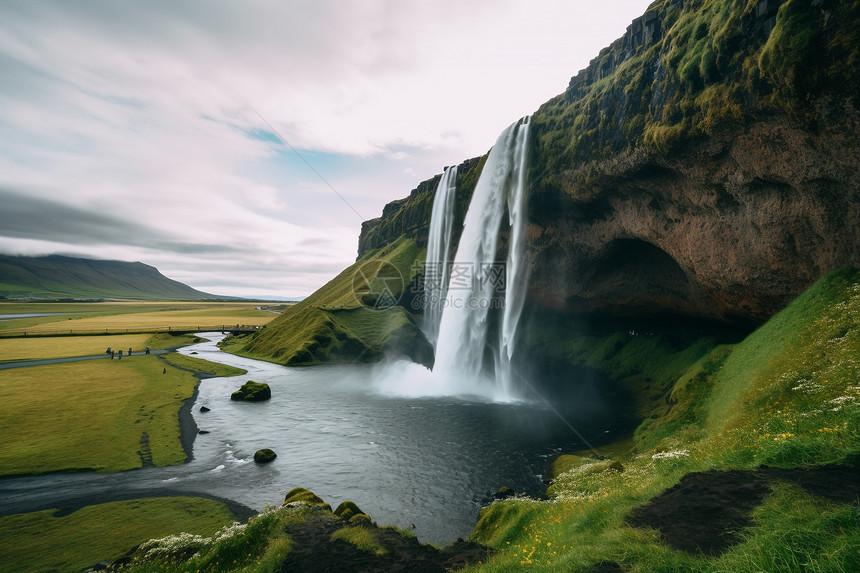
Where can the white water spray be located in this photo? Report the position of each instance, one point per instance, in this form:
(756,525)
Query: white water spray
(438,252)
(469,361)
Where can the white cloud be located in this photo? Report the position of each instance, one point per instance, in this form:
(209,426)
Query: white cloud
(147,112)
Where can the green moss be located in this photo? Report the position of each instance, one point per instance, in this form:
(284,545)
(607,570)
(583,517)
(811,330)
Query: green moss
(252,392)
(300,494)
(361,519)
(713,69)
(347,509)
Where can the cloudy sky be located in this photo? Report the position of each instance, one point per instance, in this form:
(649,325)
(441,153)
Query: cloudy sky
(150,130)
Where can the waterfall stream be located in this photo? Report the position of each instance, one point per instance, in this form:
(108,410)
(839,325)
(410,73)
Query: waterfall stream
(438,252)
(480,311)
(479,283)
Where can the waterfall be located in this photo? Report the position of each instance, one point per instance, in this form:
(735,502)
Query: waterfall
(438,251)
(484,296)
(474,287)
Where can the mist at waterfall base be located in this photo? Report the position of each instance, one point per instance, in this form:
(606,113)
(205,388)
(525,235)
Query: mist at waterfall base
(471,315)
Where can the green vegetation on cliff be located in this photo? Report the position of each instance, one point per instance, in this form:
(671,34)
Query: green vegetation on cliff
(346,320)
(786,396)
(691,69)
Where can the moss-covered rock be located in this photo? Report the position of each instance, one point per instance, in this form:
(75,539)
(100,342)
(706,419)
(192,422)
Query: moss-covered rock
(252,392)
(361,520)
(347,509)
(264,456)
(306,496)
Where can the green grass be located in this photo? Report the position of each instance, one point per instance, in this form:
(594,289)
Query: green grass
(332,325)
(90,415)
(39,542)
(787,396)
(260,546)
(362,537)
(203,366)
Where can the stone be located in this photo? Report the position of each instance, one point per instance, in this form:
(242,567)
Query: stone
(204,409)
(347,509)
(252,392)
(264,456)
(504,493)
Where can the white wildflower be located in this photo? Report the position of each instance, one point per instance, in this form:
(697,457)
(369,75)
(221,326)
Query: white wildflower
(674,454)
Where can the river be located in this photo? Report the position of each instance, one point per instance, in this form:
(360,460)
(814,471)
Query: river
(430,463)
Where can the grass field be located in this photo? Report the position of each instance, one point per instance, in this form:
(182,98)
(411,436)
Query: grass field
(89,317)
(91,415)
(39,542)
(68,346)
(203,366)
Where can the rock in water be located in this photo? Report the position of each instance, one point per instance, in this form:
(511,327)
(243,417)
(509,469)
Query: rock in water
(252,392)
(504,493)
(264,456)
(204,409)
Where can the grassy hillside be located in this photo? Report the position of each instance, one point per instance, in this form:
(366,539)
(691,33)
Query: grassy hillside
(346,320)
(786,396)
(69,277)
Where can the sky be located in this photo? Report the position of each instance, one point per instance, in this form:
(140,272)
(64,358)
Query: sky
(238,146)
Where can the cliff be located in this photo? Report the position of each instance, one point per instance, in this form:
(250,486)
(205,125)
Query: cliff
(704,164)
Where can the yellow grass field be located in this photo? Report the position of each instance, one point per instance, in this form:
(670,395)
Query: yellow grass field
(68,346)
(94,317)
(91,415)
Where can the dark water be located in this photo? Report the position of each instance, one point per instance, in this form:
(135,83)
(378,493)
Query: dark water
(431,462)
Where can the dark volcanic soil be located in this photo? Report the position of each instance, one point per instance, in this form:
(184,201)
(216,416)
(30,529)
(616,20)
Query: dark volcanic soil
(314,551)
(704,512)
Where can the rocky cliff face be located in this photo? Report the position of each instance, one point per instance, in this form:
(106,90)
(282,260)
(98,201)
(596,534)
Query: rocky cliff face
(705,164)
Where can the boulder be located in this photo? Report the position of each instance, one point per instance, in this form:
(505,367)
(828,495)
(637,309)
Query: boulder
(300,494)
(347,509)
(264,456)
(504,493)
(252,392)
(204,409)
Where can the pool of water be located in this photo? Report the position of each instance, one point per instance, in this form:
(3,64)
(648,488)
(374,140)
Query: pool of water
(431,463)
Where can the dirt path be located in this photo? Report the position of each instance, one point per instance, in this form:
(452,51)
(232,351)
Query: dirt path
(24,363)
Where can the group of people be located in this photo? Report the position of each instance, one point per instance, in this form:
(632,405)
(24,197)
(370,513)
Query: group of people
(110,352)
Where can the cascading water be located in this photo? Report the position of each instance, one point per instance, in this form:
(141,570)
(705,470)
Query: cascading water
(474,347)
(464,329)
(438,252)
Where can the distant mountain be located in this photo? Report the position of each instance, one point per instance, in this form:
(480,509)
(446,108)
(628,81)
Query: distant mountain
(57,276)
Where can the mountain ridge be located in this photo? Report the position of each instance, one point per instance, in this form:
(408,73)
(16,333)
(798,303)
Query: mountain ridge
(59,276)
